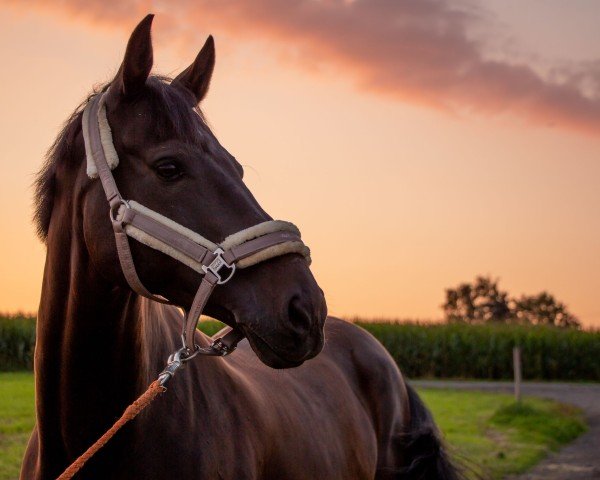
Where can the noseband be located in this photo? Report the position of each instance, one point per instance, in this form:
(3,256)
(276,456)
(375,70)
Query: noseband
(216,262)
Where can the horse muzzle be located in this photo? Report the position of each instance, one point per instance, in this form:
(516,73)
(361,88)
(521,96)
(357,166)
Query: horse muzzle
(291,330)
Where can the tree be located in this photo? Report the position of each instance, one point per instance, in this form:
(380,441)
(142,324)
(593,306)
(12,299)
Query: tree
(483,302)
(480,302)
(543,309)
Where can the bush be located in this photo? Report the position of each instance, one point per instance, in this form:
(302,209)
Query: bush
(485,351)
(555,425)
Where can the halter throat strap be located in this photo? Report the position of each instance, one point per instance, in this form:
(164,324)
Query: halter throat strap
(216,262)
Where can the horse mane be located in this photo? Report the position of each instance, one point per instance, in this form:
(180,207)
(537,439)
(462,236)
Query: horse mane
(180,120)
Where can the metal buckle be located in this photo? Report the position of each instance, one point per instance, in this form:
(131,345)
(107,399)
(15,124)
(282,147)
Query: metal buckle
(222,349)
(217,264)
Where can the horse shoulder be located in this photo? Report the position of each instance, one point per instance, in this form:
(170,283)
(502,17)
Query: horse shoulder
(361,353)
(376,380)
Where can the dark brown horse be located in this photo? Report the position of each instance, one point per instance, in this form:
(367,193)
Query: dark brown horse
(344,414)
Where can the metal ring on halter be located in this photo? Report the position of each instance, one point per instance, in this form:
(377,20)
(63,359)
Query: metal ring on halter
(113,211)
(188,356)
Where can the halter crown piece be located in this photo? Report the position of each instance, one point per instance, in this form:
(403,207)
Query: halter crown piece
(217,262)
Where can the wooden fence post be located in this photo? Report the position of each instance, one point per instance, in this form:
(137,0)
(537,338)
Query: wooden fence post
(517,372)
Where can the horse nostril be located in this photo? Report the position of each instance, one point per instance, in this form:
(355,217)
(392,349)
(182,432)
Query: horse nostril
(298,316)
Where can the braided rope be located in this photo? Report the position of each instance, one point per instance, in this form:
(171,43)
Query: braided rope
(154,390)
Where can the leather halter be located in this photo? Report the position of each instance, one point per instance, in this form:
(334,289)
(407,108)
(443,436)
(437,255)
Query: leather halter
(248,247)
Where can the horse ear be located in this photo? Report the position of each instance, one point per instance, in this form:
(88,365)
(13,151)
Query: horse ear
(137,63)
(196,77)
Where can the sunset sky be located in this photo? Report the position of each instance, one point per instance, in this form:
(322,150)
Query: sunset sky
(442,139)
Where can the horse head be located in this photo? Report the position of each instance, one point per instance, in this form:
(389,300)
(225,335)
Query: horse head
(171,162)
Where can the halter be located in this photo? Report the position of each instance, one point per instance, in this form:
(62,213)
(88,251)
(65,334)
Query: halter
(217,262)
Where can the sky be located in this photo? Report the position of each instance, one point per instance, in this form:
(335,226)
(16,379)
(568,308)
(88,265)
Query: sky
(444,139)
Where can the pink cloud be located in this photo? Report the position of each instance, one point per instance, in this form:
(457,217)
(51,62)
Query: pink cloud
(416,51)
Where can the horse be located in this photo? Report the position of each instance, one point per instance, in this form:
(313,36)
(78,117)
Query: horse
(306,396)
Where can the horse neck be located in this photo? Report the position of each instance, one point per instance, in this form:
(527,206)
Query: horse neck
(93,349)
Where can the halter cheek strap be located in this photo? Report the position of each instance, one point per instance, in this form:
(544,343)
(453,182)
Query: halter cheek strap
(216,262)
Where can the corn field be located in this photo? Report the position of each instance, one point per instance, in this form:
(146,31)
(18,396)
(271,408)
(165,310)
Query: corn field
(485,351)
(421,350)
(17,340)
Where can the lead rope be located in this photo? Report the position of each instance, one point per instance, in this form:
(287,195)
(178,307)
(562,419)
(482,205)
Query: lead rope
(132,411)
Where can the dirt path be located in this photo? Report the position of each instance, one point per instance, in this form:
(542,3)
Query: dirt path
(577,461)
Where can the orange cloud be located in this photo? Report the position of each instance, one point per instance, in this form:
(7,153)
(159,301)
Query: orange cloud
(417,51)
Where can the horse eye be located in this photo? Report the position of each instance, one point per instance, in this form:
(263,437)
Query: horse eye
(168,170)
